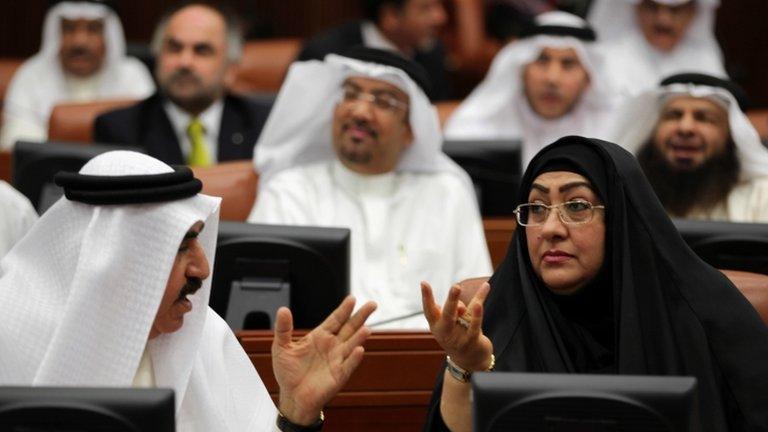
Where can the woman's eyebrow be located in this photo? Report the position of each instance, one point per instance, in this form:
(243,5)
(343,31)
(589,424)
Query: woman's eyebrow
(540,188)
(572,185)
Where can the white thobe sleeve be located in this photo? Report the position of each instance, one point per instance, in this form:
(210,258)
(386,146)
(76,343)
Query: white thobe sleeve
(470,248)
(16,217)
(22,119)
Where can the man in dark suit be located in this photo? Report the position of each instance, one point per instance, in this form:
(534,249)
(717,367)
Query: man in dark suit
(408,27)
(191,119)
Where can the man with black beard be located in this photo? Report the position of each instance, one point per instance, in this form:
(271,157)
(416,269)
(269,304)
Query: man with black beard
(192,119)
(697,148)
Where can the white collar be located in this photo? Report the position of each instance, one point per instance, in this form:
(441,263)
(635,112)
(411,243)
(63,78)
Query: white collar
(374,38)
(362,184)
(210,118)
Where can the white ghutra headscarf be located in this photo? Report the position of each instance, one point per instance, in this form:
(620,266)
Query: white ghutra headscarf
(498,108)
(637,121)
(639,66)
(79,294)
(41,82)
(298,130)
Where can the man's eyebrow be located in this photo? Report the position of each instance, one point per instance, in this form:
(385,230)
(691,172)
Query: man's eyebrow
(192,233)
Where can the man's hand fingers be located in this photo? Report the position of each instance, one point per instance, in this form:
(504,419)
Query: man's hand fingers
(283,327)
(339,316)
(351,363)
(357,321)
(357,339)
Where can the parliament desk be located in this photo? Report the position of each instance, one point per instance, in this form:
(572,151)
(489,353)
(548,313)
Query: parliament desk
(389,391)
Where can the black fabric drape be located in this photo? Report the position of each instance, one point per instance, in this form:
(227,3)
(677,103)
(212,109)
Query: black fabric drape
(669,312)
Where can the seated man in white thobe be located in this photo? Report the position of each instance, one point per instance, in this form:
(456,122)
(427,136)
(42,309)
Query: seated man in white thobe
(354,142)
(16,217)
(82,59)
(110,289)
(699,151)
(549,84)
(647,40)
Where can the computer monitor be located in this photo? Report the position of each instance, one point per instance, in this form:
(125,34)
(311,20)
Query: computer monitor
(728,245)
(259,268)
(695,231)
(35,164)
(495,168)
(54,409)
(534,402)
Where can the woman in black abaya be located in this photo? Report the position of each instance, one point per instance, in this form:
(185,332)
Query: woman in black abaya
(603,284)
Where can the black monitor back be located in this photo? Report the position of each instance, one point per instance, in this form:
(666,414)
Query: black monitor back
(495,169)
(49,409)
(313,261)
(35,164)
(728,245)
(579,403)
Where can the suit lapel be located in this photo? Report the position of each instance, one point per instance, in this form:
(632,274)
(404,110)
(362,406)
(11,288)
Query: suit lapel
(160,139)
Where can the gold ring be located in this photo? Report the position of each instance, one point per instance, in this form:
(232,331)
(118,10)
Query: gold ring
(463,322)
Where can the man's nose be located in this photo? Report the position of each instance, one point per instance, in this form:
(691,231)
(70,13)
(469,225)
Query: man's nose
(686,125)
(362,109)
(199,265)
(664,15)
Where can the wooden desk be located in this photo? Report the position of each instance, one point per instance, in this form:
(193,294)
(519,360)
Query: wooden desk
(389,391)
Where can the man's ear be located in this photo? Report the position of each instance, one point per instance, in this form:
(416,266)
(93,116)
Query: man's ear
(230,75)
(389,18)
(408,136)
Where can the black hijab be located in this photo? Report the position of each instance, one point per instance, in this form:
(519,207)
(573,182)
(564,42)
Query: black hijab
(669,313)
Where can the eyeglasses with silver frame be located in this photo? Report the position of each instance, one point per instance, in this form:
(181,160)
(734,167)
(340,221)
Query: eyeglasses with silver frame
(383,101)
(575,212)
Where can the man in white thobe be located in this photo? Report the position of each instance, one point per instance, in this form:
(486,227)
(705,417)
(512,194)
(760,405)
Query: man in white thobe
(82,59)
(110,289)
(549,84)
(647,40)
(371,162)
(16,217)
(699,151)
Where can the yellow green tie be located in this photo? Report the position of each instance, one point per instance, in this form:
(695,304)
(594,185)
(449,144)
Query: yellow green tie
(199,155)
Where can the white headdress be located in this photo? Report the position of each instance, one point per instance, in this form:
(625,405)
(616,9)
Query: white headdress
(498,108)
(41,83)
(639,65)
(638,117)
(79,294)
(298,130)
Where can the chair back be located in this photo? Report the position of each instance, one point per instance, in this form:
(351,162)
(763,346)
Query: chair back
(73,122)
(264,64)
(733,252)
(235,182)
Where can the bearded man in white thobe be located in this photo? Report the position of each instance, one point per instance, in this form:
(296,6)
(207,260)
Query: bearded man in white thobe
(549,84)
(82,59)
(371,162)
(647,40)
(698,149)
(110,289)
